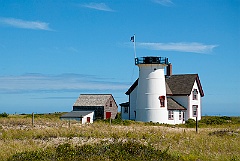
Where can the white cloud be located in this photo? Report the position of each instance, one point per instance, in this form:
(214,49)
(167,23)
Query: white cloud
(56,83)
(164,2)
(181,47)
(98,6)
(19,23)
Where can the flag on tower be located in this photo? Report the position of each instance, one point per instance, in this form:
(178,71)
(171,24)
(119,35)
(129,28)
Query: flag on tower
(132,39)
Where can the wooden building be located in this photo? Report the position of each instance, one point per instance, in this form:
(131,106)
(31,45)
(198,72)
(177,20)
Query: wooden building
(89,107)
(103,105)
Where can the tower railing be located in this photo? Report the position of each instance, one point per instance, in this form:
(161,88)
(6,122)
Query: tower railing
(151,60)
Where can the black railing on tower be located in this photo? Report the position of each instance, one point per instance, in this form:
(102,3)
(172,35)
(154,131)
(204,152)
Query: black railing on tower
(151,60)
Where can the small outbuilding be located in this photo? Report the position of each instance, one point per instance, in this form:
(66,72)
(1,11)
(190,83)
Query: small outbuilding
(82,116)
(103,105)
(89,107)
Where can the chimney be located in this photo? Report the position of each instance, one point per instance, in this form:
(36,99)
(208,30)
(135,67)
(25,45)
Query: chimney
(169,70)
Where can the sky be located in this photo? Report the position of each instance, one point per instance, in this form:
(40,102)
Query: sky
(51,51)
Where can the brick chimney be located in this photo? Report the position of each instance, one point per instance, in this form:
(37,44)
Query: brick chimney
(169,70)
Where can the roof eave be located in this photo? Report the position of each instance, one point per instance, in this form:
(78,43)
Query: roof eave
(199,86)
(177,109)
(133,86)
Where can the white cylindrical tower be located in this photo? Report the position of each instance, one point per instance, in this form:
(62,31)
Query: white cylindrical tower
(151,103)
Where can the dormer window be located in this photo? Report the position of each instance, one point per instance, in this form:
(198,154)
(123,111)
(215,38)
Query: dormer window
(162,101)
(195,94)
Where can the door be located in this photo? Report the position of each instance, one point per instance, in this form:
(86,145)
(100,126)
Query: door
(108,115)
(88,119)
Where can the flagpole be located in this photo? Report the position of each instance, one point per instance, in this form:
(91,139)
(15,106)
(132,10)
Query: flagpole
(133,39)
(135,54)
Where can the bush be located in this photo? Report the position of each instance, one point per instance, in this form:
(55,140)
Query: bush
(214,120)
(118,116)
(116,151)
(226,118)
(190,123)
(37,155)
(4,114)
(127,122)
(117,121)
(224,133)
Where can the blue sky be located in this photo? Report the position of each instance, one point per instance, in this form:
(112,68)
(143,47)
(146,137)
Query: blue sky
(53,51)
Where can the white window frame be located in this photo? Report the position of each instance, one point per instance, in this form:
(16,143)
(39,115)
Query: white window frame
(180,115)
(195,110)
(195,94)
(170,115)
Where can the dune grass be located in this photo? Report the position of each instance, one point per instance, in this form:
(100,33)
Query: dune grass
(212,142)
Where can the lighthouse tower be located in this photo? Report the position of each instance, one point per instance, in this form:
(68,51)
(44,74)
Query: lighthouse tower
(151,103)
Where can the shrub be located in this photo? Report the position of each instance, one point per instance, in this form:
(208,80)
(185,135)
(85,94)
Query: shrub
(131,150)
(37,155)
(127,122)
(214,120)
(118,116)
(226,118)
(190,123)
(117,121)
(4,114)
(223,133)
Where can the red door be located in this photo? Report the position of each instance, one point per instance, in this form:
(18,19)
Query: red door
(108,115)
(88,119)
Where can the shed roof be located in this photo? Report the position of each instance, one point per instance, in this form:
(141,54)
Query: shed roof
(92,99)
(76,114)
(174,105)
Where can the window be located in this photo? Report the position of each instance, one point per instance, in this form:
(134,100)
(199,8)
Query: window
(170,115)
(195,94)
(194,108)
(162,101)
(110,103)
(125,109)
(180,115)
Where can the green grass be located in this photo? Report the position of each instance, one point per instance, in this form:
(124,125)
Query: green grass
(215,140)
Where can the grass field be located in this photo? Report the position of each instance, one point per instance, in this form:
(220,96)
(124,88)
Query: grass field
(53,139)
